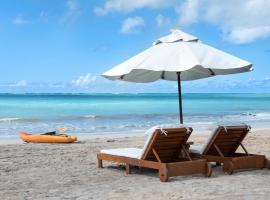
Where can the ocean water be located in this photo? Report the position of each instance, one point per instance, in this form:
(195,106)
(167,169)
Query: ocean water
(88,114)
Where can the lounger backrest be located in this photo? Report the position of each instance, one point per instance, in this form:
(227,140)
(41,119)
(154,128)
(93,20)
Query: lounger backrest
(167,143)
(227,139)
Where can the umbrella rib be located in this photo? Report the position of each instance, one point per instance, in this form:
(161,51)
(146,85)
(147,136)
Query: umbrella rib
(163,75)
(122,77)
(212,72)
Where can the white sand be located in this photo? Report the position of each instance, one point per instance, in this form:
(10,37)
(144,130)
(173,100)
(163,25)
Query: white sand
(69,171)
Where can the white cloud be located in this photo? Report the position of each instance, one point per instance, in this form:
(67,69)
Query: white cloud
(131,24)
(265,82)
(162,20)
(19,20)
(44,16)
(188,11)
(246,35)
(240,21)
(96,84)
(84,80)
(127,6)
(73,11)
(21,83)
(101,48)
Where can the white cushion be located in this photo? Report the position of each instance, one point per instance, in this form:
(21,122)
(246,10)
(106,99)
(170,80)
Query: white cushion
(126,152)
(200,148)
(196,149)
(150,133)
(132,152)
(135,152)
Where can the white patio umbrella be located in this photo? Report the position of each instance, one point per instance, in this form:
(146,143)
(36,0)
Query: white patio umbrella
(177,57)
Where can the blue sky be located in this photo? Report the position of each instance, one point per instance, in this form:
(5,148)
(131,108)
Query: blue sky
(64,45)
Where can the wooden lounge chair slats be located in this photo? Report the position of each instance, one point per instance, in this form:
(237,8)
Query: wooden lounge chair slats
(233,139)
(172,141)
(222,147)
(166,152)
(156,155)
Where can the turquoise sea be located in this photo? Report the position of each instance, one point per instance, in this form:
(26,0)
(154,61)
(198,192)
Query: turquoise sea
(87,114)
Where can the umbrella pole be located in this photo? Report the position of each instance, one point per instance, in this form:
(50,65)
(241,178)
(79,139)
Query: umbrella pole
(180,97)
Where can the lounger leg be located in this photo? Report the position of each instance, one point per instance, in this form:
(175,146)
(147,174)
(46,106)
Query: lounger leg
(128,169)
(163,174)
(100,163)
(208,170)
(228,167)
(267,163)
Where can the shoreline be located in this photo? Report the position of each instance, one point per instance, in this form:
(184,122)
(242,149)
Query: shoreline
(12,140)
(81,138)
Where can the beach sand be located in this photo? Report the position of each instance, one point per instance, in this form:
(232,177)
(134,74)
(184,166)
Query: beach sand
(69,171)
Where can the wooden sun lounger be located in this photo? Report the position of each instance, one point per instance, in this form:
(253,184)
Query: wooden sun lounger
(221,148)
(165,151)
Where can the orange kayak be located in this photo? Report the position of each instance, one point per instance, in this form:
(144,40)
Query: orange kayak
(27,137)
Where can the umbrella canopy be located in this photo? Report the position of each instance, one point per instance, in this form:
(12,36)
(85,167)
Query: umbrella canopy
(178,56)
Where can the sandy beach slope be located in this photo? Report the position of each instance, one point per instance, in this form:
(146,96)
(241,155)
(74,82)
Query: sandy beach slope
(69,171)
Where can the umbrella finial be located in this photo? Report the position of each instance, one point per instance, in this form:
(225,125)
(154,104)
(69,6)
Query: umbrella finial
(176,36)
(172,30)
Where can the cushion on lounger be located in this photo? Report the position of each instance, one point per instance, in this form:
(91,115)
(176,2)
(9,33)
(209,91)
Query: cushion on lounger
(200,148)
(132,152)
(135,152)
(126,152)
(150,133)
(196,149)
